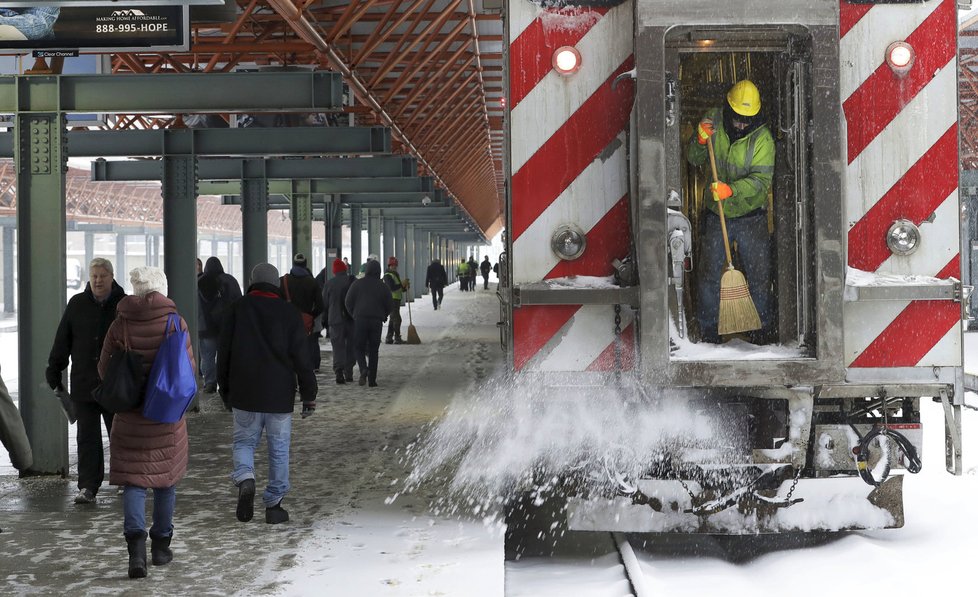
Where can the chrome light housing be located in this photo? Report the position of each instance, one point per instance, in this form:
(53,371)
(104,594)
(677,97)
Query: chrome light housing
(568,242)
(903,237)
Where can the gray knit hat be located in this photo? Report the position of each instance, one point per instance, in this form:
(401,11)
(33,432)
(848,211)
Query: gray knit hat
(265,272)
(148,279)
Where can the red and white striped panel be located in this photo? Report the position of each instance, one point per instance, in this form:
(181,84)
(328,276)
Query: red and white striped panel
(567,160)
(902,156)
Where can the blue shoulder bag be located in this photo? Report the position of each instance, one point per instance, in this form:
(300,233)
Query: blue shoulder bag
(171,385)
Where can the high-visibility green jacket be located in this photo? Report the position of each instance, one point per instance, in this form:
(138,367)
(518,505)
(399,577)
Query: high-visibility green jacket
(393,282)
(747,166)
(463,268)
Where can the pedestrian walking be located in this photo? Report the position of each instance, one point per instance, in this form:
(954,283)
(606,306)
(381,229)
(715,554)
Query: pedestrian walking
(363,266)
(485,267)
(263,358)
(340,322)
(299,288)
(216,290)
(369,301)
(463,275)
(146,454)
(13,436)
(79,339)
(436,279)
(397,288)
(473,271)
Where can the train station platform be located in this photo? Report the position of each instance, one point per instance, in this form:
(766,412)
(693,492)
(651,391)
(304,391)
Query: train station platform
(346,536)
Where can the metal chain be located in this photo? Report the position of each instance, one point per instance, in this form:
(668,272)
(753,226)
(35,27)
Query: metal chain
(686,487)
(617,320)
(793,485)
(618,340)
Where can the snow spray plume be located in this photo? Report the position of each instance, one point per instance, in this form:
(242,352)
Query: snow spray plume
(529,433)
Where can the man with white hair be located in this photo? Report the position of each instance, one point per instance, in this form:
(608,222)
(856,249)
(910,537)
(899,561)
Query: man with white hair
(79,339)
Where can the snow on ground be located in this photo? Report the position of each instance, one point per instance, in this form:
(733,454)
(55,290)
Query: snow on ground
(350,537)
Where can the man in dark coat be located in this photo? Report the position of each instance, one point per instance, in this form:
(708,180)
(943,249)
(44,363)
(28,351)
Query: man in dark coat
(473,271)
(485,267)
(436,279)
(79,338)
(263,352)
(299,287)
(340,322)
(369,301)
(216,290)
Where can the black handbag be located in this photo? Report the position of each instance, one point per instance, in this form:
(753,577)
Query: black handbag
(124,382)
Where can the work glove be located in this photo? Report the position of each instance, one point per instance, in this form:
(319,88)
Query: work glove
(406,283)
(721,191)
(308,408)
(704,131)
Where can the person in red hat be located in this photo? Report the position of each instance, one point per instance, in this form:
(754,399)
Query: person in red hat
(340,322)
(397,286)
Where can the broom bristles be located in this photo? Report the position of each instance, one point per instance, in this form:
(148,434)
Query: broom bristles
(737,311)
(412,335)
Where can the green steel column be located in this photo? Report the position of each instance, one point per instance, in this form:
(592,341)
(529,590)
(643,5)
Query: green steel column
(373,233)
(389,233)
(8,269)
(179,188)
(41,163)
(406,232)
(301,212)
(254,225)
(356,239)
(406,266)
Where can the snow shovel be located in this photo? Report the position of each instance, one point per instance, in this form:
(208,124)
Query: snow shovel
(412,332)
(737,310)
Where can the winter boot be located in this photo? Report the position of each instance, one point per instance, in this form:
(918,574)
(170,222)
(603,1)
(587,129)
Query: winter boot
(246,500)
(276,514)
(160,550)
(398,340)
(340,378)
(137,554)
(390,340)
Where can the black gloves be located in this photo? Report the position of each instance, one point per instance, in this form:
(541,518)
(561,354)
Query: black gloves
(54,379)
(308,408)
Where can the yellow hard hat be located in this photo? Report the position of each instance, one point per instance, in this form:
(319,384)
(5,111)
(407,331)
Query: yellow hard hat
(744,98)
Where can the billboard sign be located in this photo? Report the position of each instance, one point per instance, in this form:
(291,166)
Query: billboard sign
(120,27)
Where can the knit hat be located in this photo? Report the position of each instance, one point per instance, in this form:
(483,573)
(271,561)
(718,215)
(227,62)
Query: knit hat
(392,261)
(299,260)
(146,280)
(265,273)
(338,266)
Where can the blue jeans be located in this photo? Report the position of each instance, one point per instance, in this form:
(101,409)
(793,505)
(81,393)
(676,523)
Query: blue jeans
(247,431)
(754,249)
(134,510)
(208,360)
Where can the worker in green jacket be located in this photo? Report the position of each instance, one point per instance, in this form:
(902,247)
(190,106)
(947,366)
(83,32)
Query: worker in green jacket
(397,287)
(463,275)
(744,150)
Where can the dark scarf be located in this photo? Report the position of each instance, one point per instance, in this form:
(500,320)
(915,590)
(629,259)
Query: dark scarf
(735,134)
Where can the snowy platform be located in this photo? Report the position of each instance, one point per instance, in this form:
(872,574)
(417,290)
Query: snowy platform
(342,539)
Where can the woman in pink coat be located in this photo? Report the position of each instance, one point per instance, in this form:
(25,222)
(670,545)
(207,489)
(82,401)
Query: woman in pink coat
(145,454)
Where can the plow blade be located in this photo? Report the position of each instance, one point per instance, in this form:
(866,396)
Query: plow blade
(834,504)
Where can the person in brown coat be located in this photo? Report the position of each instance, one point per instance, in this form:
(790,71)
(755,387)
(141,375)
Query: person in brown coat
(145,454)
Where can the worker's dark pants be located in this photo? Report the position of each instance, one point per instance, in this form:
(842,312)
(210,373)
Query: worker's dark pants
(344,355)
(754,250)
(394,327)
(367,339)
(437,294)
(485,280)
(88,434)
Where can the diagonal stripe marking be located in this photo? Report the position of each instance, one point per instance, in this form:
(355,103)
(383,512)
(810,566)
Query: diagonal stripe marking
(565,155)
(609,239)
(849,15)
(534,326)
(883,95)
(914,197)
(530,55)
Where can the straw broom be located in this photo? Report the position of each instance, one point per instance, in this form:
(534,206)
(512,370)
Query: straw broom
(412,332)
(737,311)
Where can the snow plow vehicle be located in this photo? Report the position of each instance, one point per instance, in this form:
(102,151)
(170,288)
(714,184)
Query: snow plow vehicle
(852,254)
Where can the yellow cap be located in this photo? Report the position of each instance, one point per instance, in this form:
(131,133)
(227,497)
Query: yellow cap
(744,98)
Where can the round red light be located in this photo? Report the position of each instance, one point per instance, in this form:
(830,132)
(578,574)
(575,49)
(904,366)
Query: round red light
(566,60)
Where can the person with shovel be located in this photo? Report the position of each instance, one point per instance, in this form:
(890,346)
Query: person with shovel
(744,153)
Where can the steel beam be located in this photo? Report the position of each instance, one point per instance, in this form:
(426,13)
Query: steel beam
(254,226)
(180,237)
(328,186)
(356,239)
(301,212)
(233,169)
(295,141)
(174,93)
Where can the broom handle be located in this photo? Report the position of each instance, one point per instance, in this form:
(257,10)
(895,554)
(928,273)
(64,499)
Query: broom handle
(410,321)
(723,221)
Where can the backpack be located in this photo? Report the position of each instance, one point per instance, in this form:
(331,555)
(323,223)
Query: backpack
(213,311)
(308,321)
(121,389)
(172,383)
